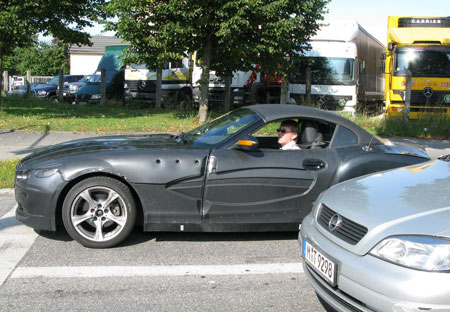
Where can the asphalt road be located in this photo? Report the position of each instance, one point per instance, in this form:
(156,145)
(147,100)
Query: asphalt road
(150,272)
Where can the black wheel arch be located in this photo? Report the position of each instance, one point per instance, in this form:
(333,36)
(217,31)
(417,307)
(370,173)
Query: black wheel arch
(66,189)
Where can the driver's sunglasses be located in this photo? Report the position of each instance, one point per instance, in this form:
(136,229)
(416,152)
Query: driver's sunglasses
(283,131)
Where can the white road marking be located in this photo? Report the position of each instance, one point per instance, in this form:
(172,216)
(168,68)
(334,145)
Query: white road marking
(169,270)
(15,240)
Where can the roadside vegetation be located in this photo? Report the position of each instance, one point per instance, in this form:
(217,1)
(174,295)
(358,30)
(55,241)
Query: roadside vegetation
(7,172)
(39,115)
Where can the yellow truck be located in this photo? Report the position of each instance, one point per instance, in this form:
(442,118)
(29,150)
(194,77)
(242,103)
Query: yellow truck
(417,66)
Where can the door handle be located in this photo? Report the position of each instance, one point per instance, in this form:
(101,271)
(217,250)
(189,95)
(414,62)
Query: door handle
(314,164)
(212,164)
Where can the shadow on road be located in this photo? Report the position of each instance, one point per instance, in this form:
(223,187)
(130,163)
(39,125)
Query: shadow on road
(138,237)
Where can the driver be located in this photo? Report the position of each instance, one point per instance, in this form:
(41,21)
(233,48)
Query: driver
(288,134)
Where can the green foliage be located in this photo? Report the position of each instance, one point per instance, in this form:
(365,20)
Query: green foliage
(42,59)
(7,173)
(241,32)
(64,19)
(229,35)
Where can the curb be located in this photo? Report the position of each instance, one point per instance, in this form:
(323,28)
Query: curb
(7,191)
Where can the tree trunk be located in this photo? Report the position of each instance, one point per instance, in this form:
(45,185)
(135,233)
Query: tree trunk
(158,88)
(103,87)
(227,97)
(61,86)
(204,82)
(1,79)
(283,91)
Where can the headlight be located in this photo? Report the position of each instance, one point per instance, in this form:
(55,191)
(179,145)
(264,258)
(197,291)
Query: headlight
(425,253)
(23,174)
(42,92)
(96,97)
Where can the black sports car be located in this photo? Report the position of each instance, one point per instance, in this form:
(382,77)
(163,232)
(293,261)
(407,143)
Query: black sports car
(227,175)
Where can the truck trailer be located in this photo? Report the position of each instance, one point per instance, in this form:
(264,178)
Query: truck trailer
(345,70)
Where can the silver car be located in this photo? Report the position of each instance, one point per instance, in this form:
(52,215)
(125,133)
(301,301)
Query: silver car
(382,242)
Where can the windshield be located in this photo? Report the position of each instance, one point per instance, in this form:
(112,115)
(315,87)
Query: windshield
(97,76)
(222,128)
(423,61)
(54,81)
(325,70)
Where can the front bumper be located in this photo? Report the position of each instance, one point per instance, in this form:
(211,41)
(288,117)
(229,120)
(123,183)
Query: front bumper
(366,283)
(37,200)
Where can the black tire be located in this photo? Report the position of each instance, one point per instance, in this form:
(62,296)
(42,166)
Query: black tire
(99,212)
(53,99)
(184,100)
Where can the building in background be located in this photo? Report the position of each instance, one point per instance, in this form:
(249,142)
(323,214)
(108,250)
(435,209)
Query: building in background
(84,59)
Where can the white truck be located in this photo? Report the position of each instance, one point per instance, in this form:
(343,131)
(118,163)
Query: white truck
(176,88)
(345,69)
(179,84)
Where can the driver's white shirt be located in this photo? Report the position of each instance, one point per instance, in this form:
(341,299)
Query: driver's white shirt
(290,146)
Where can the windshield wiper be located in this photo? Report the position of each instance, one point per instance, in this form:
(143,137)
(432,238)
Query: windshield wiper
(445,158)
(181,138)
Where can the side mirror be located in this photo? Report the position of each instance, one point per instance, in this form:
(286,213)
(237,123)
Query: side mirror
(390,46)
(248,144)
(383,63)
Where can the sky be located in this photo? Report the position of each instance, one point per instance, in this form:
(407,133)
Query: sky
(372,15)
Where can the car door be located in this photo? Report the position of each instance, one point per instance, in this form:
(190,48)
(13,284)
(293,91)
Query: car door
(265,187)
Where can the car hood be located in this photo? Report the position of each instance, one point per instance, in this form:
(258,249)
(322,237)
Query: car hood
(409,200)
(46,87)
(90,88)
(91,146)
(78,84)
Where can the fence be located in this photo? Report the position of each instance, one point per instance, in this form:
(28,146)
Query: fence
(15,82)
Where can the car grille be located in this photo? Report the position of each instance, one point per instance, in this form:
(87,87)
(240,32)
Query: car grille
(436,99)
(142,85)
(83,97)
(348,231)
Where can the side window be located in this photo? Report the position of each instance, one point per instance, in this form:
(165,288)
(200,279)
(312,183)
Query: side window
(176,64)
(267,136)
(344,137)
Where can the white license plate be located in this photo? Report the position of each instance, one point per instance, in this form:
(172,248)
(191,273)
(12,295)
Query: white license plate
(320,262)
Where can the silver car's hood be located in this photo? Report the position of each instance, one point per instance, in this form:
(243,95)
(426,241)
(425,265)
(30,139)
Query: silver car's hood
(409,200)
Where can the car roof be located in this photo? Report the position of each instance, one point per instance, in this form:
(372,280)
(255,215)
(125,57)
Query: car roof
(271,112)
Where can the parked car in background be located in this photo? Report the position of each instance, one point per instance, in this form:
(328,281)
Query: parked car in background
(382,242)
(90,91)
(49,90)
(22,90)
(71,88)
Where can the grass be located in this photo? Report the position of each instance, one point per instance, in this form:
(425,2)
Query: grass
(34,114)
(7,172)
(428,127)
(39,115)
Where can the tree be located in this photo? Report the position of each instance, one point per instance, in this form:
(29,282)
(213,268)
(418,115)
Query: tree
(42,59)
(21,20)
(229,35)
